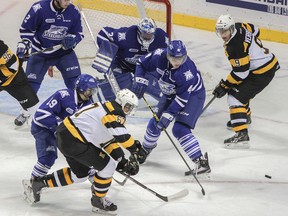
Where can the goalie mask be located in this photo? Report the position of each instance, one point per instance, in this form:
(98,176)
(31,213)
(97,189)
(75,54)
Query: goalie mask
(146,31)
(176,53)
(225,28)
(86,86)
(128,100)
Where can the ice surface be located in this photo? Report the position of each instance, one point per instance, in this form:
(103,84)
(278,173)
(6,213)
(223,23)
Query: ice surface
(236,186)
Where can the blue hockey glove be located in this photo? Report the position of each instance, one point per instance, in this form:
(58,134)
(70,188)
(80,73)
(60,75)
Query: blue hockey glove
(139,86)
(69,41)
(23,48)
(164,121)
(222,88)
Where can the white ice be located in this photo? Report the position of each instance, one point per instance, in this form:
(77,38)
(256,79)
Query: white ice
(236,185)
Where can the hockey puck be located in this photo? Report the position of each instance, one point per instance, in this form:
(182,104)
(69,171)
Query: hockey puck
(268,176)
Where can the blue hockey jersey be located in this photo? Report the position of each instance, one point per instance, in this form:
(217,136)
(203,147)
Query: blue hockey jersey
(177,84)
(130,46)
(45,26)
(58,106)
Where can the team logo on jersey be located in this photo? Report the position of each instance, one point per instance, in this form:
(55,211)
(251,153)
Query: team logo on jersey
(167,88)
(121,36)
(120,120)
(158,51)
(133,60)
(188,75)
(55,32)
(36,7)
(64,93)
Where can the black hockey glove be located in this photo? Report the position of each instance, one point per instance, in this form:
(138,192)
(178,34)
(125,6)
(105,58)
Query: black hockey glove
(135,147)
(222,88)
(130,167)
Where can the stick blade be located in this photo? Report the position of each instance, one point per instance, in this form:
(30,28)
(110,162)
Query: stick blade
(178,195)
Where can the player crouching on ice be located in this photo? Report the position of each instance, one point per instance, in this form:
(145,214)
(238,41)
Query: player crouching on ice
(93,136)
(183,99)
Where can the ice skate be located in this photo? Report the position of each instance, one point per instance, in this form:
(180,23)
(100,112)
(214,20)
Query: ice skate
(102,205)
(249,121)
(239,141)
(21,120)
(32,189)
(28,192)
(202,165)
(143,154)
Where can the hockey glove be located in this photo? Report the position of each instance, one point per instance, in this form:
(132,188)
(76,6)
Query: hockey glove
(164,121)
(222,88)
(23,48)
(139,86)
(130,167)
(69,41)
(135,148)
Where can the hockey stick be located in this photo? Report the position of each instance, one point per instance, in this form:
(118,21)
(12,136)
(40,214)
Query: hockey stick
(44,50)
(208,104)
(171,140)
(177,195)
(122,183)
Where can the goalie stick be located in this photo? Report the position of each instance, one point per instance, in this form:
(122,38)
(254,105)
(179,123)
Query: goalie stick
(177,195)
(190,172)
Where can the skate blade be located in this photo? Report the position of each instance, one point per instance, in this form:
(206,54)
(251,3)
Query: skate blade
(103,212)
(28,192)
(239,145)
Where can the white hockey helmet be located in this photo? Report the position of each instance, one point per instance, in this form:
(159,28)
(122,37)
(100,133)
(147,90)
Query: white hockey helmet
(146,31)
(128,100)
(225,27)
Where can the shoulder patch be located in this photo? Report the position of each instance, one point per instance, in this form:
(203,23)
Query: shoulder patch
(121,120)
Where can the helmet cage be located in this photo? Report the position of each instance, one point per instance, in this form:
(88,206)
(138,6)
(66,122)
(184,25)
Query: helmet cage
(146,31)
(128,100)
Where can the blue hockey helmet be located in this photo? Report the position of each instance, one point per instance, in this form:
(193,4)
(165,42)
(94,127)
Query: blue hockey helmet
(147,28)
(86,85)
(176,53)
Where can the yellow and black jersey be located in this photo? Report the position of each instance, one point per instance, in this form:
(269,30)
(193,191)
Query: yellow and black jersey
(250,27)
(246,54)
(9,64)
(102,125)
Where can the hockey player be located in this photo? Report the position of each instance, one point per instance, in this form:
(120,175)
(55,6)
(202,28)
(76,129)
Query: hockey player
(49,23)
(13,79)
(93,136)
(51,112)
(183,98)
(253,67)
(133,42)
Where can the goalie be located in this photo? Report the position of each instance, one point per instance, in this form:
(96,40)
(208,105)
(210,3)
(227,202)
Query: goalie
(133,42)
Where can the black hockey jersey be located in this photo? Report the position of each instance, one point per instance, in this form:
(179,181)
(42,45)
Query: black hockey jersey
(9,64)
(246,54)
(103,126)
